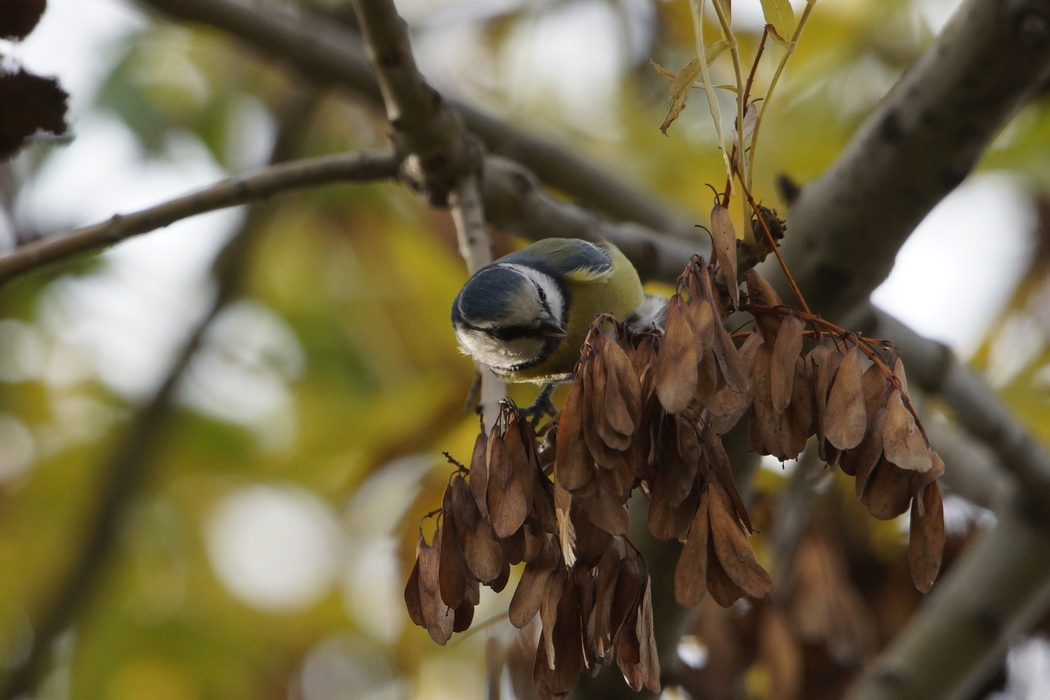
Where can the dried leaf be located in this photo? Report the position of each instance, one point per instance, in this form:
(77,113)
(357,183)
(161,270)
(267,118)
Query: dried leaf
(926,540)
(723,238)
(690,575)
(676,371)
(786,350)
(902,442)
(731,545)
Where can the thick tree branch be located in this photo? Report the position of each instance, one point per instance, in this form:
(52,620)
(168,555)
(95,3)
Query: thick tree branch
(918,144)
(334,55)
(351,167)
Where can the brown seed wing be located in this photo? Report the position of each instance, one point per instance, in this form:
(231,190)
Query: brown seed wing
(604,588)
(604,509)
(623,402)
(479,473)
(722,589)
(452,577)
(412,599)
(690,575)
(649,662)
(438,617)
(532,587)
(786,350)
(731,545)
(902,441)
(889,490)
(676,371)
(506,498)
(724,238)
(926,540)
(846,420)
(549,612)
(481,549)
(760,292)
(573,466)
(859,462)
(719,461)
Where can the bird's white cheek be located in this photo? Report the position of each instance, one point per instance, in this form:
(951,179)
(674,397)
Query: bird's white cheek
(496,353)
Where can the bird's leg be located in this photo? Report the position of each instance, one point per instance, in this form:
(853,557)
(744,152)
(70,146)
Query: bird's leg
(474,394)
(542,406)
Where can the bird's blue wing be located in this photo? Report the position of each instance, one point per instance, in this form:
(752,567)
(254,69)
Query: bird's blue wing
(570,258)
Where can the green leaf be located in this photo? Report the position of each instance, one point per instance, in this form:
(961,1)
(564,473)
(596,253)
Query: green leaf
(780,15)
(680,84)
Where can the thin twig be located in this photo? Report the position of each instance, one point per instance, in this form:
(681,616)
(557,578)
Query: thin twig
(789,52)
(276,179)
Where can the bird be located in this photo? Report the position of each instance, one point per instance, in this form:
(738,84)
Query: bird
(526,315)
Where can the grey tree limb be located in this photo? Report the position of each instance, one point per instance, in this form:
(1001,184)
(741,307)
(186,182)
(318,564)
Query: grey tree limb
(308,172)
(918,144)
(329,54)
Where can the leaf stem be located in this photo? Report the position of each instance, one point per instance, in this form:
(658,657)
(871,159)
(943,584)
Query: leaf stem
(697,8)
(790,51)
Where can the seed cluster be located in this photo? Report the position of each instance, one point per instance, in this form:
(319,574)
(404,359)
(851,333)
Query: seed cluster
(646,410)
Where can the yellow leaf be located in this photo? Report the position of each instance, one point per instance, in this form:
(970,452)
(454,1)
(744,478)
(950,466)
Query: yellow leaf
(680,84)
(780,15)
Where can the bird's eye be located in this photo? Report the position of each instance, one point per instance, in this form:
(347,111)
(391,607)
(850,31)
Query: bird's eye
(543,295)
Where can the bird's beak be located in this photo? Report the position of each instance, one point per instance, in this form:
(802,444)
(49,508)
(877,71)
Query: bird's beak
(552,329)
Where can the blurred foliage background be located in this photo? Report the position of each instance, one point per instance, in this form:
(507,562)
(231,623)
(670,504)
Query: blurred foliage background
(264,552)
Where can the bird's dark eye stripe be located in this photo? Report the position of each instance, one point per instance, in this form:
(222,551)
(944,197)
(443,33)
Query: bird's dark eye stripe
(513,332)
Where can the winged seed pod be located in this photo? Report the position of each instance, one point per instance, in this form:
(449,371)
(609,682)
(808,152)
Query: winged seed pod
(647,409)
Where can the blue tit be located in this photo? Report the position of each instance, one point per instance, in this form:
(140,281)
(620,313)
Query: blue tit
(526,315)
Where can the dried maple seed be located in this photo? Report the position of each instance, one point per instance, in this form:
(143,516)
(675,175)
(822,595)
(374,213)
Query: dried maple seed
(676,369)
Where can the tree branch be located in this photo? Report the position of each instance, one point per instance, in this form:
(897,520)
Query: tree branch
(335,55)
(352,167)
(917,145)
(975,406)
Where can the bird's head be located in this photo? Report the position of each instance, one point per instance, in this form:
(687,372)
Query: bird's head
(509,317)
